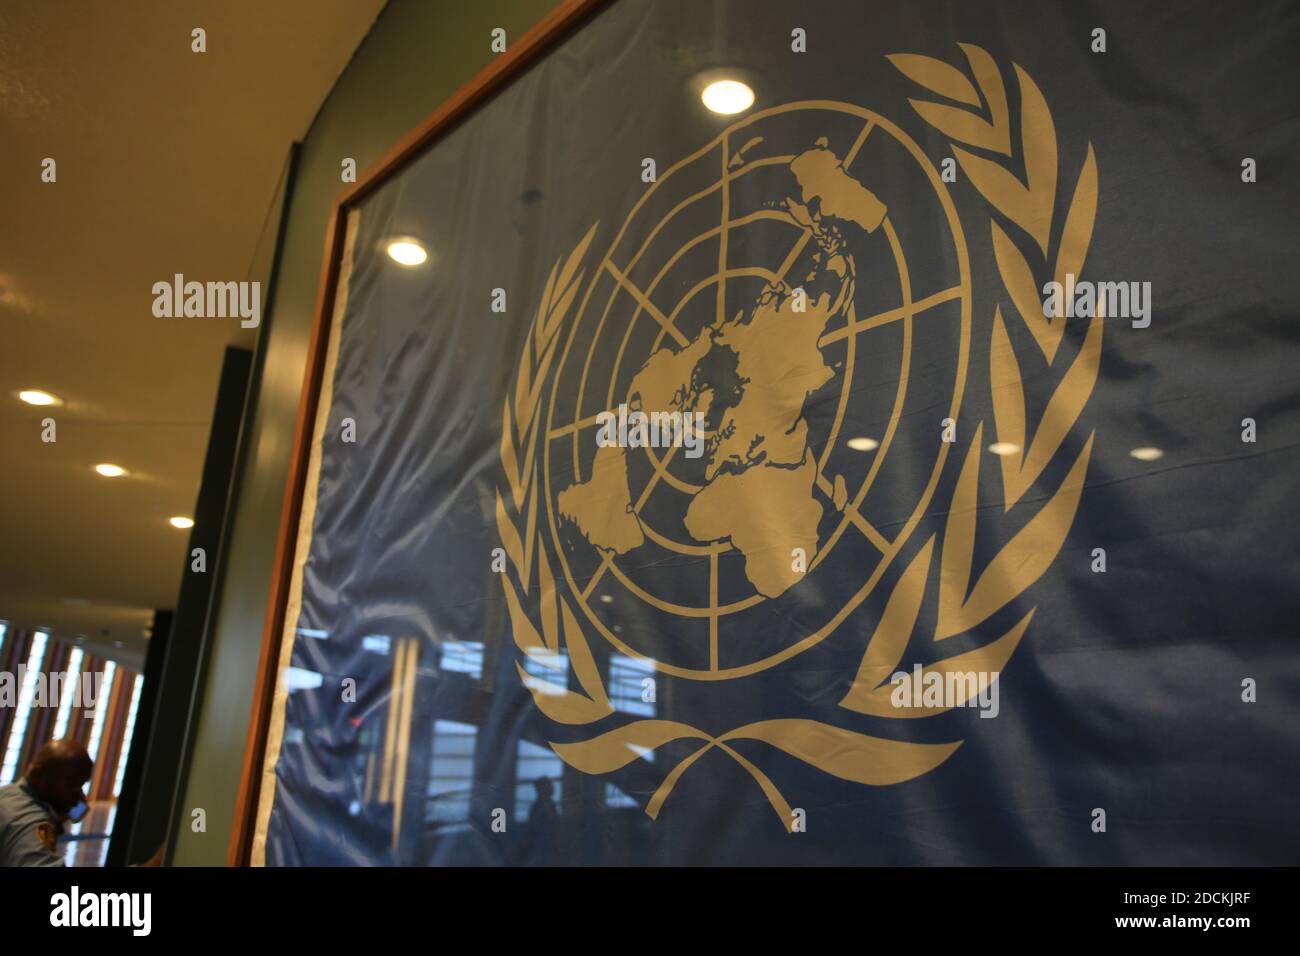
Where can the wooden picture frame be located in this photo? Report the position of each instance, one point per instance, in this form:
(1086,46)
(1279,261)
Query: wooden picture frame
(554,27)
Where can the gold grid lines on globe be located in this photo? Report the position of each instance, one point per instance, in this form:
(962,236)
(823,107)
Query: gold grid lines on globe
(692,562)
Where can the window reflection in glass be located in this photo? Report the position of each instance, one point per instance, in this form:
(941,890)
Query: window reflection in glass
(451,777)
(628,689)
(464,657)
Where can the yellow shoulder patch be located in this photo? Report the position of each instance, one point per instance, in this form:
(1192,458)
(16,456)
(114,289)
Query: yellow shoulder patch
(48,836)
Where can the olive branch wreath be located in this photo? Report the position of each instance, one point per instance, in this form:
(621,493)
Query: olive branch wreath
(1028,207)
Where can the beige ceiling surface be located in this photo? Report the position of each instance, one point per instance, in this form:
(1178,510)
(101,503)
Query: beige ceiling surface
(167,162)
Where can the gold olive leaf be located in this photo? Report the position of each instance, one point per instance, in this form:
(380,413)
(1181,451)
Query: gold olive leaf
(556,701)
(1027,205)
(994,133)
(1032,550)
(539,349)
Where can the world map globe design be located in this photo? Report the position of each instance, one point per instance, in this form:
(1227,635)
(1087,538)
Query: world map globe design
(742,287)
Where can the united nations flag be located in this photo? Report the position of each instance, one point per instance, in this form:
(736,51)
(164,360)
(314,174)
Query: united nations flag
(893,469)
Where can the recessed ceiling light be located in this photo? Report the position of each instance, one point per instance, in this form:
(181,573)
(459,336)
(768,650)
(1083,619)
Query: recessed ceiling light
(110,470)
(863,444)
(1147,454)
(727,97)
(1004,448)
(607,599)
(34,396)
(407,252)
(179,522)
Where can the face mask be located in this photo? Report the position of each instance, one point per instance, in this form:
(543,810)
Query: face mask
(77,812)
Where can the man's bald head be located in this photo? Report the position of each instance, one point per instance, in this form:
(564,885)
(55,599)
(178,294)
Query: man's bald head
(59,771)
(63,751)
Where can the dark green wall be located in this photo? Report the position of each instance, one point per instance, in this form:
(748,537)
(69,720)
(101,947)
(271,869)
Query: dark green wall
(416,56)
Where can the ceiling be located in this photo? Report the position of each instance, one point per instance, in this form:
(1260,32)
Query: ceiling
(167,161)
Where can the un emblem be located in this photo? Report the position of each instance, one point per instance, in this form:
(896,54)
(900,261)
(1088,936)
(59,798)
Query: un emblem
(800,290)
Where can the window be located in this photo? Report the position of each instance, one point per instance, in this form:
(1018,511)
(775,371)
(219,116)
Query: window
(451,776)
(616,798)
(18,729)
(464,657)
(71,691)
(627,692)
(627,677)
(126,735)
(101,710)
(549,666)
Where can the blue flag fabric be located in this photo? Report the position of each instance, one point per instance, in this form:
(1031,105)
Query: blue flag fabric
(900,470)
